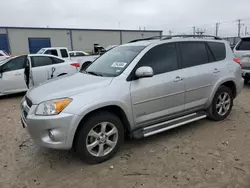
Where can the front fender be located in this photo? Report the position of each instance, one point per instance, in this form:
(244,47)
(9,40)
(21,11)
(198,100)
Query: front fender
(92,107)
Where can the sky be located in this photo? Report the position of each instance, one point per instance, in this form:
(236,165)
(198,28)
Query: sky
(179,16)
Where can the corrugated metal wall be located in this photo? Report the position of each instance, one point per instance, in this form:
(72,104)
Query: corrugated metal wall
(74,39)
(19,42)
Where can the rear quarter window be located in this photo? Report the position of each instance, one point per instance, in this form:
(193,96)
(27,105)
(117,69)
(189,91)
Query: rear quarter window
(218,50)
(244,45)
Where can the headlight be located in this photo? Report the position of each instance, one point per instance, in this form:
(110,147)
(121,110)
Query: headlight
(52,107)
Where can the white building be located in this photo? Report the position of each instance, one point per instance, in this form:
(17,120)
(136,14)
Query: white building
(24,40)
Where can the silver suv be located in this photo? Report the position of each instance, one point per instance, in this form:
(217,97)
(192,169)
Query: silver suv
(138,89)
(242,52)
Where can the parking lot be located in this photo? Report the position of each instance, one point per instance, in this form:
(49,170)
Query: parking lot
(201,154)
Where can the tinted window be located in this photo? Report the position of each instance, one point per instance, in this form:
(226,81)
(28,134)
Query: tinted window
(161,59)
(244,44)
(40,61)
(1,54)
(51,52)
(56,60)
(14,64)
(78,54)
(64,53)
(72,54)
(218,49)
(193,53)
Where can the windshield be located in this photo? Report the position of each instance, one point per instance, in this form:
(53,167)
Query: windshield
(115,61)
(41,51)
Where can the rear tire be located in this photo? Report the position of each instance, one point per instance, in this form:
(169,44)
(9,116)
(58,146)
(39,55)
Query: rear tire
(221,105)
(246,80)
(99,138)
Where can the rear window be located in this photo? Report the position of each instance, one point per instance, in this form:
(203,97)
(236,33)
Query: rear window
(218,49)
(64,53)
(51,52)
(244,45)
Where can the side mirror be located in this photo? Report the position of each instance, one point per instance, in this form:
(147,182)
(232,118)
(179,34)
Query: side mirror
(144,72)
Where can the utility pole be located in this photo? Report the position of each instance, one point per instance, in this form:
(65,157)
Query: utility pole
(239,26)
(217,29)
(170,32)
(200,31)
(194,30)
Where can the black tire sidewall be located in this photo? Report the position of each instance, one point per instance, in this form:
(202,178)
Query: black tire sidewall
(87,125)
(246,80)
(213,112)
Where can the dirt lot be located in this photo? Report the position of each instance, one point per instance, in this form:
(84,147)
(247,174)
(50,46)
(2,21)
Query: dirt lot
(200,155)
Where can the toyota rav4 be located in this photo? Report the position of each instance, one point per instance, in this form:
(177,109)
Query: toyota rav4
(138,89)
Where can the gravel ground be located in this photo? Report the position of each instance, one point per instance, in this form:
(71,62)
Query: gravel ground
(199,155)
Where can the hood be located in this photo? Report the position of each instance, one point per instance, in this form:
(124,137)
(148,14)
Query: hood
(66,87)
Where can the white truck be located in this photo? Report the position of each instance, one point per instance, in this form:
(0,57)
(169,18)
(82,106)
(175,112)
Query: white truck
(64,53)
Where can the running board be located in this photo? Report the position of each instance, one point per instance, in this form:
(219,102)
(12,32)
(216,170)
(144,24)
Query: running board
(167,125)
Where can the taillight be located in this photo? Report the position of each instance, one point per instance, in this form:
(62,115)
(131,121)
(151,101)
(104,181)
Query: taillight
(237,60)
(75,64)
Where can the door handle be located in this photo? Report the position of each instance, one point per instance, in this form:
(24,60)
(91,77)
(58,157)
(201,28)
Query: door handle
(216,70)
(178,79)
(17,74)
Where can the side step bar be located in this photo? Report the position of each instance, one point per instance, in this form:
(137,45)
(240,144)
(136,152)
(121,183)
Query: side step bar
(167,125)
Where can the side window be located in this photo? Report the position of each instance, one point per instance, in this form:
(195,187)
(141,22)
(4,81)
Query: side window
(162,58)
(244,45)
(72,54)
(56,60)
(15,64)
(193,54)
(79,54)
(51,52)
(39,61)
(218,49)
(64,53)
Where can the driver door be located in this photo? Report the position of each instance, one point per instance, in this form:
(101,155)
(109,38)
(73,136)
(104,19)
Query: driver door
(12,78)
(157,97)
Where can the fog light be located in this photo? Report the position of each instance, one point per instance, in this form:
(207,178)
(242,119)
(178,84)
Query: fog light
(51,135)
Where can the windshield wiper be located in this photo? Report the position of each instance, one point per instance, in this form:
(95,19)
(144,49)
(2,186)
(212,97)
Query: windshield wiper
(94,73)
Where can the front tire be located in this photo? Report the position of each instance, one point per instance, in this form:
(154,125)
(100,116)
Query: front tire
(221,105)
(99,138)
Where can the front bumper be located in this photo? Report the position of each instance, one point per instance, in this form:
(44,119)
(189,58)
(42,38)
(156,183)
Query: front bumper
(49,131)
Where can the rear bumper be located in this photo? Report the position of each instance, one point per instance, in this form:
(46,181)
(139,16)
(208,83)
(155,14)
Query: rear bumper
(245,73)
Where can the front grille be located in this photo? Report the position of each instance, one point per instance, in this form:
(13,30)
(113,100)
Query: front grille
(28,101)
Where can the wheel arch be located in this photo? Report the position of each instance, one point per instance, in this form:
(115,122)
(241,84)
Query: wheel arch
(230,83)
(114,109)
(62,74)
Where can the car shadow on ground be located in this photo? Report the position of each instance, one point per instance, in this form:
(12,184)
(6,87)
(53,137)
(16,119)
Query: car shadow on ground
(12,96)
(127,150)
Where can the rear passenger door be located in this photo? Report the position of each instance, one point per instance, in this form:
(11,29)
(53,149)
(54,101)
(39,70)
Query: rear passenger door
(199,73)
(40,68)
(155,98)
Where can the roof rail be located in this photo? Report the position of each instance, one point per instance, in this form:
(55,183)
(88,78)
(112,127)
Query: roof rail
(166,37)
(192,36)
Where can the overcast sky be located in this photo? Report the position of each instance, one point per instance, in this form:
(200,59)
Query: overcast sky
(176,15)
